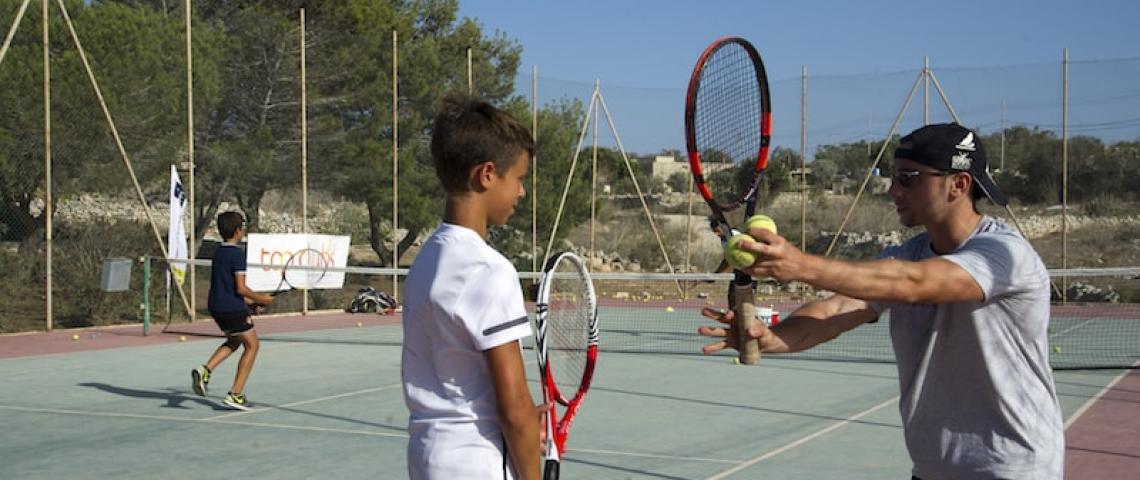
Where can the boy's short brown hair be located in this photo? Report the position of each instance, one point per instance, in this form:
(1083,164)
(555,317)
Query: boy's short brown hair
(228,223)
(468,132)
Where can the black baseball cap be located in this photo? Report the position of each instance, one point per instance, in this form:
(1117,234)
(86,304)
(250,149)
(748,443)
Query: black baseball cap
(953,148)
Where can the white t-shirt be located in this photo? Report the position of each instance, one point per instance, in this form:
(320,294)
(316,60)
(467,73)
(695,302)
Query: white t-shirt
(978,399)
(462,297)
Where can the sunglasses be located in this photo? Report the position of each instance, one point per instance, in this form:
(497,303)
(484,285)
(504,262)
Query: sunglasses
(906,178)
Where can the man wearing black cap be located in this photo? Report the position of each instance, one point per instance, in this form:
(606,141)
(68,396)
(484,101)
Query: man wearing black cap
(969,312)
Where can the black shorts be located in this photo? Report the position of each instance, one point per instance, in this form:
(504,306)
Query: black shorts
(232,323)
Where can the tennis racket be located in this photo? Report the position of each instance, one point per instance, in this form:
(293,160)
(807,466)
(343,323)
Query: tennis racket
(728,128)
(567,317)
(303,270)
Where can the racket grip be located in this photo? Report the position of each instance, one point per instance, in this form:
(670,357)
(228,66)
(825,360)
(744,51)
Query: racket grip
(744,318)
(551,470)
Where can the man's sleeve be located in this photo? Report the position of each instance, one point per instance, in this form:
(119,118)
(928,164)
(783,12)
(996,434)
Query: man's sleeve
(493,310)
(997,263)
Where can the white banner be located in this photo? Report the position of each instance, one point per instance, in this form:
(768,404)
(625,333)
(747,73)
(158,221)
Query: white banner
(176,235)
(276,248)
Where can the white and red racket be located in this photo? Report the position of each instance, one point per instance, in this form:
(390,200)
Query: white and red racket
(567,318)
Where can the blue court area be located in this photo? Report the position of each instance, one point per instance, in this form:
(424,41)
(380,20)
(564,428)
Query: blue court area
(329,405)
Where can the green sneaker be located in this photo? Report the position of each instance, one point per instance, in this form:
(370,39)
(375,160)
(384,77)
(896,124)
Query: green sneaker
(200,380)
(237,401)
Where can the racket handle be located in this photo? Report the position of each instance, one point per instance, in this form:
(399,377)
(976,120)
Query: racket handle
(744,318)
(551,470)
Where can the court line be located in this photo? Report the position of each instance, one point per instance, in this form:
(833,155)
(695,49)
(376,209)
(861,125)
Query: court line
(304,402)
(651,455)
(801,441)
(1088,404)
(203,420)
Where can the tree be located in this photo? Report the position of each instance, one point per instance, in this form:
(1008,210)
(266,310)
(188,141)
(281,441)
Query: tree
(129,50)
(352,46)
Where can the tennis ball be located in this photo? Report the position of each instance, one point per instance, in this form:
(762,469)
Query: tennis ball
(182,338)
(1056,349)
(760,221)
(360,324)
(669,309)
(75,337)
(736,256)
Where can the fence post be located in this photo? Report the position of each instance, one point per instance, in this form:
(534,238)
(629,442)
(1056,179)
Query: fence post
(145,305)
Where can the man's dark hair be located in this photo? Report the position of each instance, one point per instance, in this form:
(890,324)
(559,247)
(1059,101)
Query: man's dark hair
(468,132)
(228,223)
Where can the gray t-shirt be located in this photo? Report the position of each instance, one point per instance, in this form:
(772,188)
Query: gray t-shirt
(977,394)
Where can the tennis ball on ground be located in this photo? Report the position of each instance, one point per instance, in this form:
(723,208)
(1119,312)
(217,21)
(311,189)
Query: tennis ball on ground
(760,222)
(360,324)
(736,256)
(75,337)
(668,309)
(182,338)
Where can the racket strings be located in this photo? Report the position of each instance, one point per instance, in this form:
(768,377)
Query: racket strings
(305,269)
(568,331)
(728,121)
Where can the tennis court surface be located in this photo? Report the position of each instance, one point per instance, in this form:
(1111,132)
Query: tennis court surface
(117,404)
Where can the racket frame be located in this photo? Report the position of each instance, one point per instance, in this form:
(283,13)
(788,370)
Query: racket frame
(257,308)
(557,430)
(742,292)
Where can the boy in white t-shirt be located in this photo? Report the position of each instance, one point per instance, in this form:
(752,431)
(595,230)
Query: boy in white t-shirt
(471,412)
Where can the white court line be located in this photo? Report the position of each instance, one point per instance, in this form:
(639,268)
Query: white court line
(372,433)
(650,455)
(801,441)
(1081,411)
(304,402)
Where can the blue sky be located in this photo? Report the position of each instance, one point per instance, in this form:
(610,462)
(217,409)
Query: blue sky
(650,46)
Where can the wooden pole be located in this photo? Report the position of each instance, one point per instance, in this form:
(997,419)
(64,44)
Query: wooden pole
(304,157)
(49,321)
(190,160)
(395,162)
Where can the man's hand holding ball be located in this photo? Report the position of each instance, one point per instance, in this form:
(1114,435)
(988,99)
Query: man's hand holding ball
(739,257)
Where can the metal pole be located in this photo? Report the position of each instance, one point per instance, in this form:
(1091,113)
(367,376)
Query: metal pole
(470,76)
(594,180)
(688,236)
(534,169)
(145,260)
(49,320)
(803,157)
(1064,170)
(1003,134)
(925,91)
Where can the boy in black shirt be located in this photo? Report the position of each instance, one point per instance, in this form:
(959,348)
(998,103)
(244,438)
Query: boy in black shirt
(228,304)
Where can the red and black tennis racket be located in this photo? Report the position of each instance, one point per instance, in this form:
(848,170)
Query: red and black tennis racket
(728,128)
(566,311)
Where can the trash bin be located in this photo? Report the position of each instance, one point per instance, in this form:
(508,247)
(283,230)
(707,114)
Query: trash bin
(116,275)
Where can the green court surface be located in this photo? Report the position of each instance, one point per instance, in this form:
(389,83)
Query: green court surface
(329,405)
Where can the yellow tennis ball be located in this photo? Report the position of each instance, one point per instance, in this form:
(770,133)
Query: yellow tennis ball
(668,309)
(75,337)
(760,222)
(182,338)
(736,256)
(360,324)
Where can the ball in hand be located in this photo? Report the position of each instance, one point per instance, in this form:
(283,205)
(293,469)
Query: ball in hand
(736,256)
(760,222)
